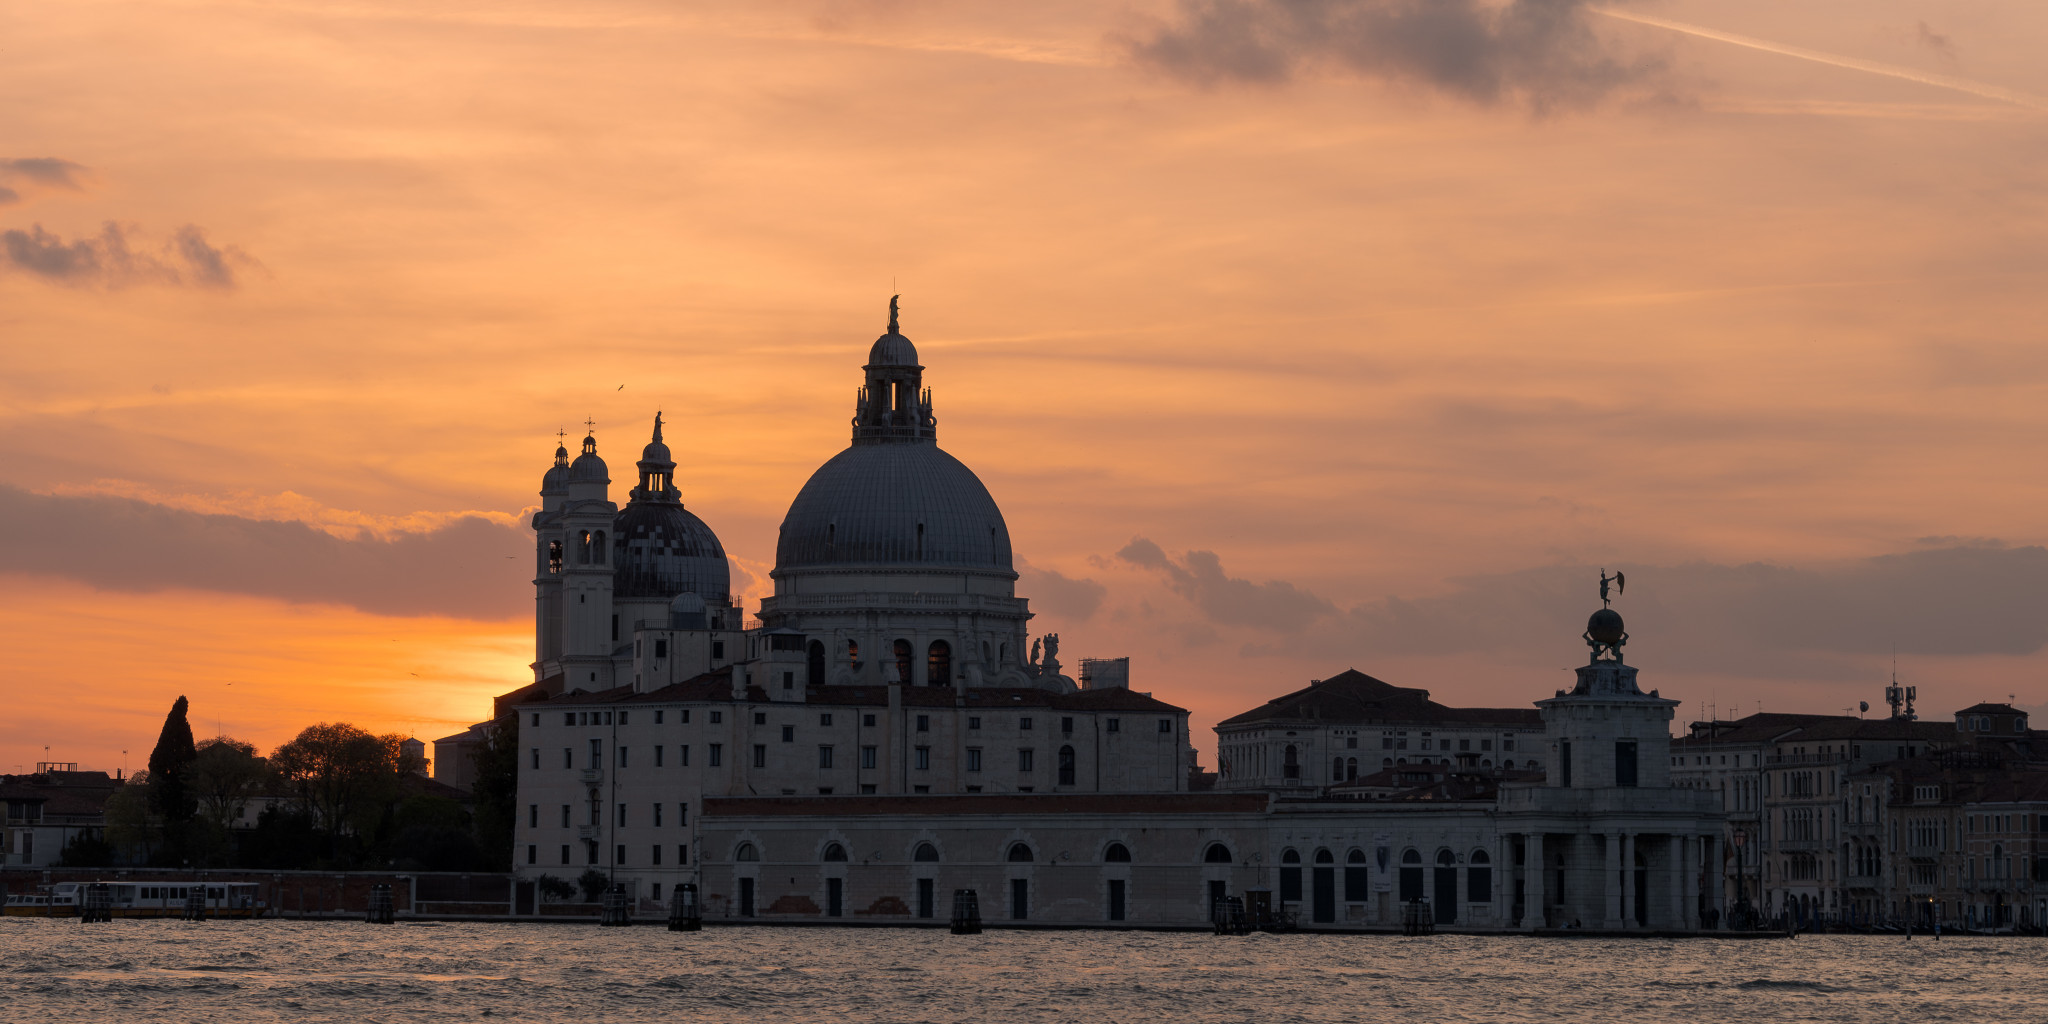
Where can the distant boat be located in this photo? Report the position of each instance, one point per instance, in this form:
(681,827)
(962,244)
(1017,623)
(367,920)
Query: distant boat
(139,899)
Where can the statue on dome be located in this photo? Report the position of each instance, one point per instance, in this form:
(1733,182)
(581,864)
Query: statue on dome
(1617,579)
(892,313)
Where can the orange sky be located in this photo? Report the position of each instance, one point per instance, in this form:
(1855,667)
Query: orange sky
(1409,352)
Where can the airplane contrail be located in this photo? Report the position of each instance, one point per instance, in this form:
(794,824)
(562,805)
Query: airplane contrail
(1984,89)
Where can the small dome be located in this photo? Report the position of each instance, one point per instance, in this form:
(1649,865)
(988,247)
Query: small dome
(556,479)
(687,604)
(1605,626)
(663,550)
(892,349)
(655,452)
(588,468)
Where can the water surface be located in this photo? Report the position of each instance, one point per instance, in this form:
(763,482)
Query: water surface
(335,971)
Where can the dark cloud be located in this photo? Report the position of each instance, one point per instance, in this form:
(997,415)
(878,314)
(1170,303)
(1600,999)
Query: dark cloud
(1223,599)
(8,196)
(45,170)
(1757,620)
(1059,596)
(1542,53)
(470,568)
(111,260)
(1935,41)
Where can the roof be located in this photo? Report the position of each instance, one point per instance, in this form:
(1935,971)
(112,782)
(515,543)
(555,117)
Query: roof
(717,687)
(1988,708)
(988,803)
(1352,696)
(1773,728)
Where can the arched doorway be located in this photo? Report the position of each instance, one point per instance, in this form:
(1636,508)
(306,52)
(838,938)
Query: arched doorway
(1290,877)
(1323,891)
(814,668)
(1446,895)
(902,652)
(1411,876)
(938,664)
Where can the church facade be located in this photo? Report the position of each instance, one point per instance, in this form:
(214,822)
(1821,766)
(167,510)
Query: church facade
(889,732)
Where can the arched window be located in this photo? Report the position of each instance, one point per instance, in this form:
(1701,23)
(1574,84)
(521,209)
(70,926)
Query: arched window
(554,556)
(1508,765)
(1290,877)
(1486,762)
(1217,853)
(902,652)
(583,547)
(1117,853)
(1324,857)
(1290,857)
(853,654)
(1386,762)
(925,853)
(1411,857)
(938,664)
(835,852)
(1478,857)
(1290,766)
(746,853)
(1336,769)
(597,547)
(1445,858)
(1020,853)
(815,667)
(1350,768)
(1066,766)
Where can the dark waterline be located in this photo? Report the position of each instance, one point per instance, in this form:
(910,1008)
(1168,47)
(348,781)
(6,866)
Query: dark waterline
(332,971)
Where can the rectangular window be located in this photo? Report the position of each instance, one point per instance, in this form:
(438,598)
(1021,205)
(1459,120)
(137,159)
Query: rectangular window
(1351,743)
(760,718)
(717,717)
(568,758)
(788,733)
(682,853)
(565,853)
(973,759)
(973,721)
(868,757)
(536,719)
(924,758)
(620,853)
(532,815)
(867,721)
(1024,759)
(657,815)
(924,723)
(532,854)
(657,756)
(1486,744)
(824,757)
(716,755)
(660,649)
(683,755)
(622,717)
(682,815)
(867,789)
(657,718)
(656,850)
(622,816)
(789,680)
(1115,725)
(825,720)
(760,755)
(597,753)
(684,717)
(1066,723)
(1564,761)
(1024,724)
(1425,744)
(1166,725)
(536,759)
(1464,744)
(717,650)
(1507,745)
(1625,763)
(565,815)
(622,757)
(920,789)
(568,718)
(1386,743)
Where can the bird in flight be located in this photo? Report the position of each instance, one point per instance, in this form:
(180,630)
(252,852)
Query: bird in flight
(622,387)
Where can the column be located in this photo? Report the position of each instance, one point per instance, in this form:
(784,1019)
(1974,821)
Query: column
(1503,880)
(1610,873)
(1533,872)
(1682,881)
(1628,881)
(1689,896)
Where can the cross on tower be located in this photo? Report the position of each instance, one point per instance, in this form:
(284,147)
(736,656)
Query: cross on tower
(590,425)
(562,435)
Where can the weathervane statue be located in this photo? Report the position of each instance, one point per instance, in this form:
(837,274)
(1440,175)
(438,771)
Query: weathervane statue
(1619,581)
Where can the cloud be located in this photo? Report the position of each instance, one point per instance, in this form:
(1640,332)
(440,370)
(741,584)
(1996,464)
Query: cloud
(1059,596)
(1935,41)
(8,196)
(109,260)
(1757,619)
(470,567)
(1542,53)
(45,170)
(1223,599)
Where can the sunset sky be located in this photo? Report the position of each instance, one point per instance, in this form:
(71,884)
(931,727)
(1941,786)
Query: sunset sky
(1290,335)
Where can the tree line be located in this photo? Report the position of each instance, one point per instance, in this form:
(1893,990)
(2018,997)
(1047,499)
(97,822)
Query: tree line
(334,797)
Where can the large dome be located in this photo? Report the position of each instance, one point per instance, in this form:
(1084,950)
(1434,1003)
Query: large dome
(909,505)
(662,550)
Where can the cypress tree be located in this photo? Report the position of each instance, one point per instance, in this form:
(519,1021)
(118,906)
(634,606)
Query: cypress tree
(174,753)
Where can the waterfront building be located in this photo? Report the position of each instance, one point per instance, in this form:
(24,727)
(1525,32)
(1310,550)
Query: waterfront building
(49,808)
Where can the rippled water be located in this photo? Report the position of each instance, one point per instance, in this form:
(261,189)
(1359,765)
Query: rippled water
(334,971)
